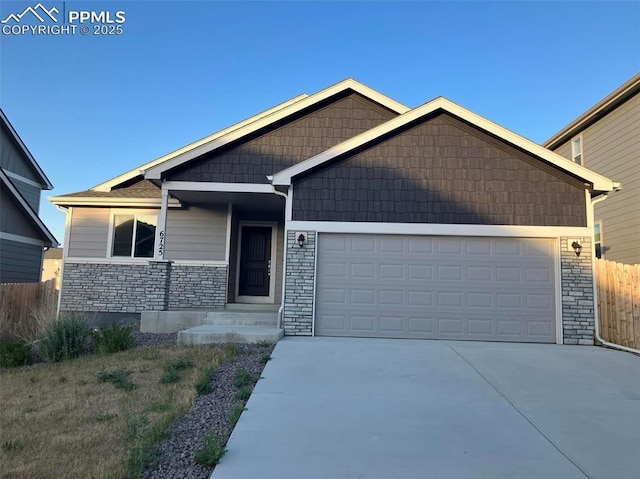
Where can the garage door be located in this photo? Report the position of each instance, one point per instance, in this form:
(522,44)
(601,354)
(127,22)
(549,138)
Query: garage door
(436,287)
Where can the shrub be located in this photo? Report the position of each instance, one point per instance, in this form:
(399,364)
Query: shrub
(66,339)
(212,451)
(15,353)
(112,338)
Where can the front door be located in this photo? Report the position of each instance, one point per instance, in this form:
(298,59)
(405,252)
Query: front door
(255,261)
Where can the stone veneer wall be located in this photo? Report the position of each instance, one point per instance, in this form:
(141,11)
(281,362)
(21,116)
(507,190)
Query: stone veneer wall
(137,287)
(115,287)
(195,286)
(578,320)
(299,284)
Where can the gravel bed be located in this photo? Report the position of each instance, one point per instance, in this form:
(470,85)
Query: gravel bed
(153,340)
(186,435)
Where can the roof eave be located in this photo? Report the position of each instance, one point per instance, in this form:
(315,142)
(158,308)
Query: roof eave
(612,101)
(44,181)
(156,172)
(599,182)
(47,236)
(110,202)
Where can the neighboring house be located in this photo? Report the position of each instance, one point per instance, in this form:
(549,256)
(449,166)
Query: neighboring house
(606,139)
(52,265)
(23,235)
(358,216)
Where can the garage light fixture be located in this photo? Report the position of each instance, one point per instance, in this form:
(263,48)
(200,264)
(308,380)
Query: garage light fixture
(577,247)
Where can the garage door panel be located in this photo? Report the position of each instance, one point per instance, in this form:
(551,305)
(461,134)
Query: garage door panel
(436,287)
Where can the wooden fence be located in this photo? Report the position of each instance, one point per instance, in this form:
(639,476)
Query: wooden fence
(25,307)
(619,302)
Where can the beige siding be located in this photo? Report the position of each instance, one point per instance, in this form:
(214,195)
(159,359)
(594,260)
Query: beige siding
(612,148)
(565,150)
(198,233)
(89,232)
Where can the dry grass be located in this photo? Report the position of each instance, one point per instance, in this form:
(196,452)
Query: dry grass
(27,309)
(60,421)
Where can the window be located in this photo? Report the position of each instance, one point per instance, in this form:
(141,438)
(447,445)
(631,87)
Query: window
(576,149)
(134,235)
(597,238)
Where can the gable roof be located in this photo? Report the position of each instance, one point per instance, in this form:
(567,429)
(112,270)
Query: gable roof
(44,181)
(132,174)
(612,101)
(600,183)
(155,172)
(28,212)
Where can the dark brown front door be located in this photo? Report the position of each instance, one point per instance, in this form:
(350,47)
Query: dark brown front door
(255,261)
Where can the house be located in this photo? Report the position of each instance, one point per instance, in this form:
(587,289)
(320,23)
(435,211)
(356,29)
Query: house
(353,215)
(606,139)
(23,235)
(52,265)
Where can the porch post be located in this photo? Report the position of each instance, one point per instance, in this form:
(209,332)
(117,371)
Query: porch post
(162,225)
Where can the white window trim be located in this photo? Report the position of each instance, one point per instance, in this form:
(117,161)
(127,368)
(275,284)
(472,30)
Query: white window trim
(601,242)
(129,212)
(573,152)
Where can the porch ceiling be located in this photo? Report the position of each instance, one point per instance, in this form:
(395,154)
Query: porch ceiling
(255,201)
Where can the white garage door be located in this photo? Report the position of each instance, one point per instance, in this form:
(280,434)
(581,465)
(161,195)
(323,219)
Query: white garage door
(436,287)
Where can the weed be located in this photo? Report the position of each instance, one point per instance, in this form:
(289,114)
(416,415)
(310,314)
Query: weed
(62,379)
(66,339)
(9,446)
(231,350)
(105,417)
(243,378)
(141,452)
(265,358)
(263,343)
(212,451)
(235,413)
(160,407)
(112,338)
(203,383)
(173,367)
(15,353)
(118,377)
(243,393)
(170,376)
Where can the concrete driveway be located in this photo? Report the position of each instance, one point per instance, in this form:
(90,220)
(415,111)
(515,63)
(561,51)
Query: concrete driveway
(375,408)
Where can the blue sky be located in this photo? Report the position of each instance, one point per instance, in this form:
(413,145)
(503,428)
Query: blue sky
(91,107)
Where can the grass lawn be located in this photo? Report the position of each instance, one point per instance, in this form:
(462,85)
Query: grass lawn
(97,416)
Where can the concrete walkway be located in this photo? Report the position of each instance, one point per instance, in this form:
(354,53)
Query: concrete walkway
(372,408)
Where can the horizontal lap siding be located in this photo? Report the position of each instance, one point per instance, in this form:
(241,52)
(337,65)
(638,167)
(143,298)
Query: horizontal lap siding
(20,262)
(197,233)
(287,145)
(12,159)
(12,218)
(89,233)
(441,171)
(612,148)
(30,193)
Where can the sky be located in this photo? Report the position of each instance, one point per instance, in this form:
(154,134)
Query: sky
(90,107)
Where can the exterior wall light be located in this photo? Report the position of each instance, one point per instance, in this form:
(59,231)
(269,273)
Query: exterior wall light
(302,239)
(577,247)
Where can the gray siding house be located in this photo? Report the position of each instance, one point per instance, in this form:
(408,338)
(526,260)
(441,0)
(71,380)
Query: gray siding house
(606,139)
(352,215)
(23,235)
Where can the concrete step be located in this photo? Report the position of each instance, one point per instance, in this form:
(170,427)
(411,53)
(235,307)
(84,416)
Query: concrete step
(242,318)
(251,307)
(210,334)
